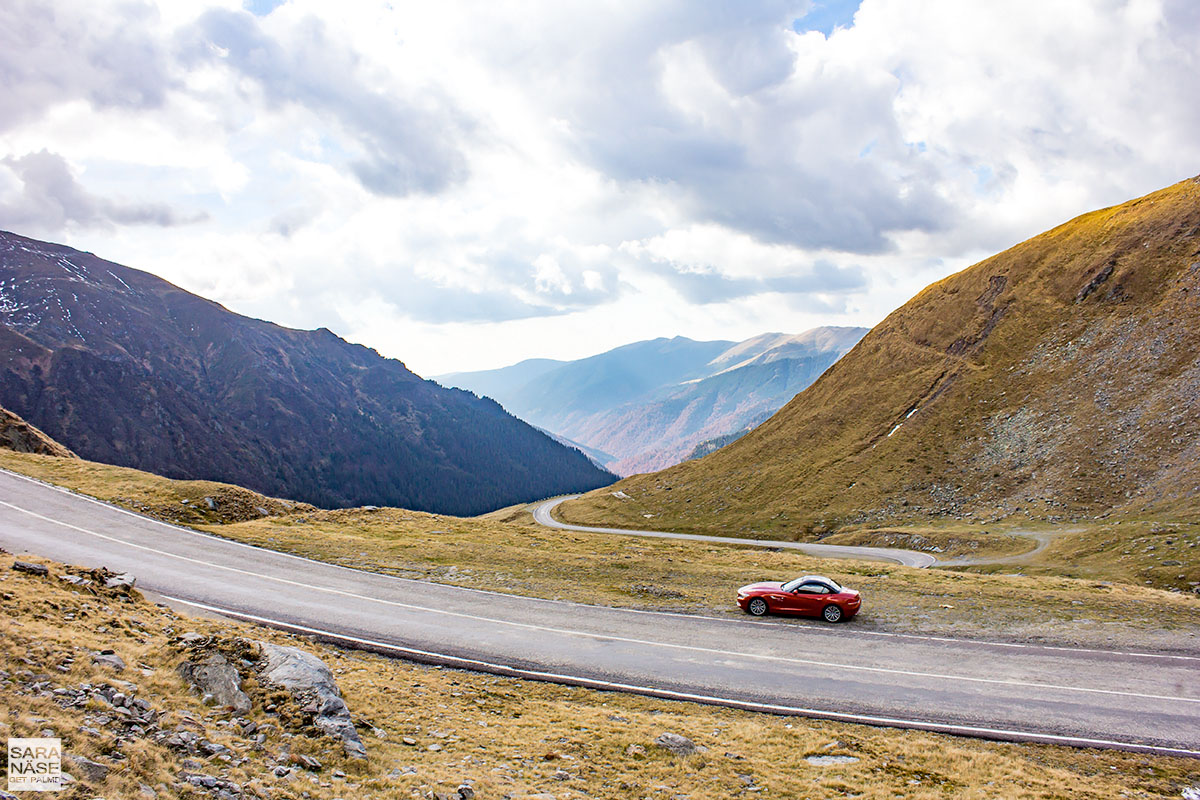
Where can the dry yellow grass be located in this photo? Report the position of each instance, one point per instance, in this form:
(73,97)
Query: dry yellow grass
(510,738)
(507,553)
(181,502)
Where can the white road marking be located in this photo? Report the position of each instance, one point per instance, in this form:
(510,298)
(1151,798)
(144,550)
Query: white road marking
(488,666)
(283,554)
(608,637)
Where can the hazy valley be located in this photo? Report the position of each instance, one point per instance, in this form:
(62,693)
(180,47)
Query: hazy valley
(649,405)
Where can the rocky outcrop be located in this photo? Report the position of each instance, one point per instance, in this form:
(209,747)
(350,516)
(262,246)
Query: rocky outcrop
(312,684)
(17,434)
(217,682)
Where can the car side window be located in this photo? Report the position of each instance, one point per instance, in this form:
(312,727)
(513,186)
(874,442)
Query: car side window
(812,588)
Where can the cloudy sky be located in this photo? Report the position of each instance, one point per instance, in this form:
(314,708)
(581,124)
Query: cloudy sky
(463,185)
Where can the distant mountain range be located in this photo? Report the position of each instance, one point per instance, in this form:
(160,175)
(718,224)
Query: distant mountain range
(125,368)
(648,405)
(1058,380)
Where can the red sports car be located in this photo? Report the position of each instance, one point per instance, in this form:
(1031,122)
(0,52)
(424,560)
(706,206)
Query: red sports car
(810,596)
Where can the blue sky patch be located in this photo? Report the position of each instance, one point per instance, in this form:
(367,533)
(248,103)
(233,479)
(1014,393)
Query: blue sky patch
(260,8)
(827,15)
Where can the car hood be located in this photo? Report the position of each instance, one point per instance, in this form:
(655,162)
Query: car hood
(765,586)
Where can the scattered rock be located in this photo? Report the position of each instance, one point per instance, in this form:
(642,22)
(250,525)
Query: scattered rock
(32,569)
(829,761)
(655,591)
(211,503)
(308,762)
(121,581)
(92,771)
(181,739)
(108,658)
(212,748)
(311,682)
(466,792)
(218,681)
(679,745)
(635,750)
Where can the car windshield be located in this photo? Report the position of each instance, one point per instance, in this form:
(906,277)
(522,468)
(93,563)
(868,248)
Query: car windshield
(791,586)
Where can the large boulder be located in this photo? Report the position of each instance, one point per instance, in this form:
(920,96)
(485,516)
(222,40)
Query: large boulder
(92,771)
(217,681)
(311,682)
(676,743)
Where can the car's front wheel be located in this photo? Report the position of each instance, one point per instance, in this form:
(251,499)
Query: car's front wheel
(832,614)
(757,607)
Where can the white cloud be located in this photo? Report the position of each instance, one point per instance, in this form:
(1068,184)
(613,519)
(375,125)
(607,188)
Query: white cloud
(464,185)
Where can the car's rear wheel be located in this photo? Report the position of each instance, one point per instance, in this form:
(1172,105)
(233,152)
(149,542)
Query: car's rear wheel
(832,613)
(757,606)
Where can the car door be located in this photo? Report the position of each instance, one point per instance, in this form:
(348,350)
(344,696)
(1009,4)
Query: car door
(808,598)
(782,601)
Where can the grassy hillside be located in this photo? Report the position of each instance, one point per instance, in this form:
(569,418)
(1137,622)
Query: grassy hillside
(1058,381)
(429,730)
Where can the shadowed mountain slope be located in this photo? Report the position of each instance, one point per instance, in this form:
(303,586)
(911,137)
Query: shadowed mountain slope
(128,369)
(1059,379)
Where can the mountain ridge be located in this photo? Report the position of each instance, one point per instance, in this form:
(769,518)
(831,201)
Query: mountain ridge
(125,368)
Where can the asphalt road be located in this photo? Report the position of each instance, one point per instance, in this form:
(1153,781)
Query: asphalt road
(543,515)
(1142,701)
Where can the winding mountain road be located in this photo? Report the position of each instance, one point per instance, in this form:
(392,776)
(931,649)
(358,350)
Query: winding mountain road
(543,515)
(1139,701)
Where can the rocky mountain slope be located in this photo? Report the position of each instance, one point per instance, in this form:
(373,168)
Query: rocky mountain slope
(126,368)
(647,405)
(17,434)
(1058,380)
